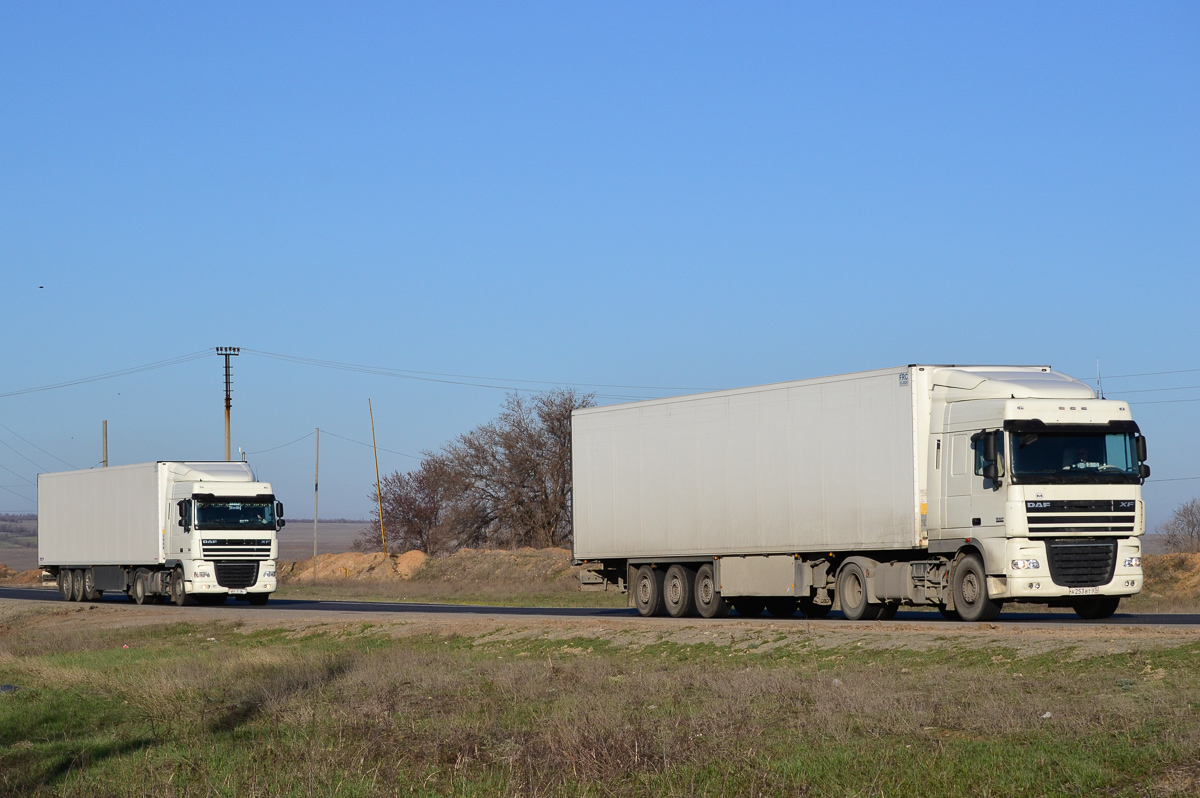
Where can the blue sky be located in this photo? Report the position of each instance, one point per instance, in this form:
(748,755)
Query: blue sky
(689,195)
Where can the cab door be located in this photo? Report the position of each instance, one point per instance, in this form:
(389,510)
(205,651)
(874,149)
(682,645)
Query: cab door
(957,476)
(987,498)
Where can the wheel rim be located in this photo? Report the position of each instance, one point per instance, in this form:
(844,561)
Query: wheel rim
(970,588)
(854,590)
(643,590)
(704,591)
(675,590)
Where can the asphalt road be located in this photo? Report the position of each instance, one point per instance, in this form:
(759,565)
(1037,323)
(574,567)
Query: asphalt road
(309,606)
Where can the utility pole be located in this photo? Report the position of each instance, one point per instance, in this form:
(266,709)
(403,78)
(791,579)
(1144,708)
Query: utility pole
(104,427)
(378,492)
(227,352)
(316,486)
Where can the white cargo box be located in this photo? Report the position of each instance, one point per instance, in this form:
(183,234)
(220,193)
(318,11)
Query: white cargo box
(795,467)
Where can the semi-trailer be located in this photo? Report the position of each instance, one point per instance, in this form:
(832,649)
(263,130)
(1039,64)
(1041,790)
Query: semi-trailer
(181,530)
(958,487)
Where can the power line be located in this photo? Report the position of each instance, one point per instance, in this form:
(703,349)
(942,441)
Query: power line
(360,443)
(1150,374)
(109,375)
(280,446)
(455,379)
(23,457)
(1174,479)
(1155,390)
(15,474)
(1165,402)
(23,496)
(39,448)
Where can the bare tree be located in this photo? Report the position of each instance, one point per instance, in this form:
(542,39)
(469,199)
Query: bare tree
(1182,531)
(506,483)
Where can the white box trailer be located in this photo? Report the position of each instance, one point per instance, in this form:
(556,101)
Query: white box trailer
(204,530)
(773,495)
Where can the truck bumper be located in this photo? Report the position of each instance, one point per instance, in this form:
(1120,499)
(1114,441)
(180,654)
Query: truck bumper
(1036,584)
(204,580)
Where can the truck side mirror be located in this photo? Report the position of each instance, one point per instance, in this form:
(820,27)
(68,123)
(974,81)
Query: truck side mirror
(989,447)
(180,505)
(1141,448)
(279,522)
(992,472)
(1143,470)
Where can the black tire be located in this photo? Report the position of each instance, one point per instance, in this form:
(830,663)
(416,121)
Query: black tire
(648,591)
(970,591)
(813,610)
(782,607)
(679,591)
(179,595)
(139,592)
(709,603)
(947,613)
(212,600)
(748,607)
(64,584)
(258,599)
(90,593)
(889,611)
(77,586)
(852,595)
(1097,608)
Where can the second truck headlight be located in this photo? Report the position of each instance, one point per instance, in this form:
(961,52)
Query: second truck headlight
(1021,565)
(1133,562)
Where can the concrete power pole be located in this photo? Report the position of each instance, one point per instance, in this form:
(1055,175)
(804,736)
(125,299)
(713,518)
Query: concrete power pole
(104,434)
(227,352)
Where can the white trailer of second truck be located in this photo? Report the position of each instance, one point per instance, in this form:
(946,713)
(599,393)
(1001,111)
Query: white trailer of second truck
(943,485)
(180,529)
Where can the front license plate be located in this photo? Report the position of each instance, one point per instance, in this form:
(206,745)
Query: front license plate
(236,592)
(1074,591)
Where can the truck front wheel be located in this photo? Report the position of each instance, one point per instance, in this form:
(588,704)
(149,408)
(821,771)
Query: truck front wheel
(648,591)
(1097,608)
(178,589)
(971,600)
(258,599)
(709,603)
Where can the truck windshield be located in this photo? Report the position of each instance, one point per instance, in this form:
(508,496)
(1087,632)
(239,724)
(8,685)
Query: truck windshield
(1068,455)
(235,515)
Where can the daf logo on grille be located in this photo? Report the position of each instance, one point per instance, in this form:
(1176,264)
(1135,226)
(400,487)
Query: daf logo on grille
(209,542)
(1037,504)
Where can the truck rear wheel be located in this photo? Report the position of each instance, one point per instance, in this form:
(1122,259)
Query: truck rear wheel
(139,593)
(970,591)
(90,592)
(851,591)
(648,591)
(709,603)
(679,591)
(1097,608)
(77,586)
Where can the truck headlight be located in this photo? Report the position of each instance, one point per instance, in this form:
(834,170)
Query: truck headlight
(1133,562)
(1021,565)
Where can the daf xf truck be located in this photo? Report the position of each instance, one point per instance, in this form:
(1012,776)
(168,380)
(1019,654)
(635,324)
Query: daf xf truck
(959,487)
(179,530)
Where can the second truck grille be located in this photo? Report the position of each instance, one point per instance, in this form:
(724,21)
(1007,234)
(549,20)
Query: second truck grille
(1081,563)
(235,548)
(1084,515)
(236,574)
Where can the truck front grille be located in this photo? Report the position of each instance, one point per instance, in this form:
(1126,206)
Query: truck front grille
(235,549)
(1081,563)
(1084,515)
(236,574)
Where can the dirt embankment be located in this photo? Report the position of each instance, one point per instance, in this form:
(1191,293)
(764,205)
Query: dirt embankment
(1172,576)
(527,566)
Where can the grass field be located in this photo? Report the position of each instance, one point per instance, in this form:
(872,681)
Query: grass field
(225,706)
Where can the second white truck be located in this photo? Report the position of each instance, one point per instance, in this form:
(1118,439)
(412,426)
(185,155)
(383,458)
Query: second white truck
(959,487)
(178,530)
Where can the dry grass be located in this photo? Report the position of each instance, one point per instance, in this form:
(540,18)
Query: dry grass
(220,710)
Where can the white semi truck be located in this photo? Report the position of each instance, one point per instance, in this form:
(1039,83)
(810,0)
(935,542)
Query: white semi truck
(181,530)
(960,487)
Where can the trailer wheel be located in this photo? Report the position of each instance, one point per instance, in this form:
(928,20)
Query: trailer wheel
(811,609)
(748,607)
(64,584)
(679,591)
(783,607)
(709,603)
(90,592)
(970,591)
(1097,608)
(889,611)
(77,586)
(139,591)
(648,591)
(851,591)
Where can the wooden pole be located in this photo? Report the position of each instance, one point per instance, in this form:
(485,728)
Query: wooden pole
(378,492)
(316,486)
